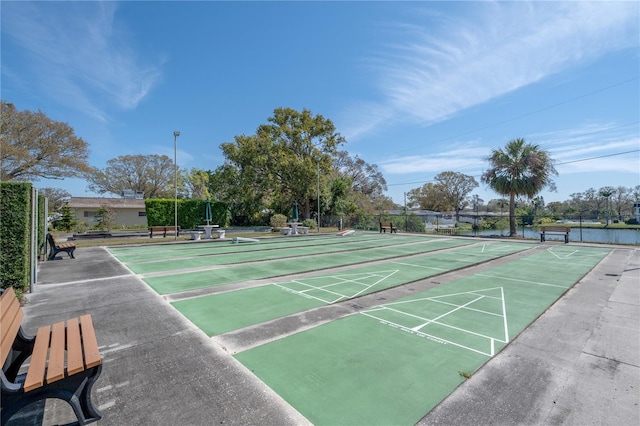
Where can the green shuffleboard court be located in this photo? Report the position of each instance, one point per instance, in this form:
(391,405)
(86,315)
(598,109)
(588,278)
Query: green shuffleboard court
(390,365)
(293,263)
(229,253)
(219,313)
(154,253)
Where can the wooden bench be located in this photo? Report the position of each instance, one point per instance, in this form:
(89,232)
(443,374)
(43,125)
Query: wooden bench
(48,375)
(388,225)
(557,230)
(163,230)
(56,248)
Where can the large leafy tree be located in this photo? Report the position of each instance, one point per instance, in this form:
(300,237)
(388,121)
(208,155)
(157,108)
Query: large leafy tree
(153,175)
(449,192)
(519,169)
(195,184)
(33,147)
(363,183)
(456,187)
(427,197)
(280,163)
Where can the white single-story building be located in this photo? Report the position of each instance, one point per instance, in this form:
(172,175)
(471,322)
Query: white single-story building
(127,211)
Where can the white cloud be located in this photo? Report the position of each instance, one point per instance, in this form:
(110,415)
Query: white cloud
(464,159)
(627,163)
(79,54)
(594,147)
(453,64)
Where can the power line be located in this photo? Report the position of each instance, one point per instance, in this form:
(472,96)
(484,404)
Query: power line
(600,156)
(583,135)
(556,164)
(533,112)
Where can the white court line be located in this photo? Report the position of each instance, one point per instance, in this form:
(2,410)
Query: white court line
(421,333)
(350,281)
(300,294)
(469,309)
(319,289)
(428,321)
(433,321)
(504,316)
(421,266)
(521,281)
(475,292)
(565,256)
(417,328)
(554,253)
(374,284)
(341,296)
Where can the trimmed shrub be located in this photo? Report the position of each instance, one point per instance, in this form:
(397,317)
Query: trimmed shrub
(310,223)
(15,217)
(191,213)
(278,221)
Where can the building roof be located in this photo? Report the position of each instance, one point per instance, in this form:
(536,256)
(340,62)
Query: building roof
(97,202)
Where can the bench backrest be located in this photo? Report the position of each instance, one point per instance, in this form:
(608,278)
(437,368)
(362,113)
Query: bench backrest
(386,224)
(51,240)
(11,314)
(556,228)
(163,228)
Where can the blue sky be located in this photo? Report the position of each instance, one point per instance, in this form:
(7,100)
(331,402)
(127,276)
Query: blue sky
(417,88)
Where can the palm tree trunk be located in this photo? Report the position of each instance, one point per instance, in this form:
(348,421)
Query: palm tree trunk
(512,215)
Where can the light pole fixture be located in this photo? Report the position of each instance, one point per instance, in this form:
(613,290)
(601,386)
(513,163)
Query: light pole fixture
(175,183)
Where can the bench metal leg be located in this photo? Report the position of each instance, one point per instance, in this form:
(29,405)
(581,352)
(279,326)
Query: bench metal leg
(75,389)
(69,251)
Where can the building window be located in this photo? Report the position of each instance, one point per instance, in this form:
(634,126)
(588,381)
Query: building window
(88,213)
(142,214)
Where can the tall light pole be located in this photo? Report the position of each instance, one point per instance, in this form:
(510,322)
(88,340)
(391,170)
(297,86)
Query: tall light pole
(175,182)
(318,196)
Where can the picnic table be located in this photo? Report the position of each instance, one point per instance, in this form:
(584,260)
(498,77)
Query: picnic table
(294,227)
(207,230)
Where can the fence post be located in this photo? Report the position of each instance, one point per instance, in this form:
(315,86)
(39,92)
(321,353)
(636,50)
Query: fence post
(580,218)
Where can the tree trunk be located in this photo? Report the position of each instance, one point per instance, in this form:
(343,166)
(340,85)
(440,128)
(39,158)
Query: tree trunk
(512,215)
(306,214)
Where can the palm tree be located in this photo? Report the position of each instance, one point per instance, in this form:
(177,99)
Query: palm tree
(518,169)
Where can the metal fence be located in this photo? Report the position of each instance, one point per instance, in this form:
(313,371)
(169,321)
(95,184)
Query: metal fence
(583,228)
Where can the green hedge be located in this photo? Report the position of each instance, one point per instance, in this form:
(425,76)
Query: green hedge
(160,212)
(15,217)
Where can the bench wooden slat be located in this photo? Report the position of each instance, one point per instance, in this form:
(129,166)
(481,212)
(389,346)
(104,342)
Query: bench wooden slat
(90,343)
(12,317)
(75,362)
(564,230)
(48,376)
(38,363)
(55,370)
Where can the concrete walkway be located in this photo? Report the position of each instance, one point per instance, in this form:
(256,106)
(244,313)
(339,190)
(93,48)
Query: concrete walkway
(578,364)
(158,369)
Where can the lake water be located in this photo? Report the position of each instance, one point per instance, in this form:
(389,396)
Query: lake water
(586,235)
